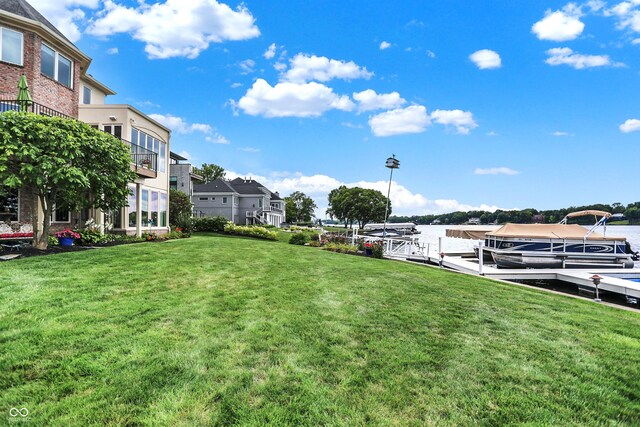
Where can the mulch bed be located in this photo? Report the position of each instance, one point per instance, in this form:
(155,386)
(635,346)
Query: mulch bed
(30,251)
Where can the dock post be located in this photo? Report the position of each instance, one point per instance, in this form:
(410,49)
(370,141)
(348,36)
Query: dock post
(480,258)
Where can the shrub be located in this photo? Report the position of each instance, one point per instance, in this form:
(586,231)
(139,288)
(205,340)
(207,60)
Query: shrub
(210,223)
(298,239)
(314,244)
(342,248)
(377,249)
(258,232)
(315,237)
(176,235)
(53,241)
(183,222)
(90,237)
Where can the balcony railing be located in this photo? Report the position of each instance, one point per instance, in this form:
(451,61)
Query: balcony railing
(141,158)
(30,107)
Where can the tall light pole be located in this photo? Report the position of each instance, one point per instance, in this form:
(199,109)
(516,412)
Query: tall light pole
(392,163)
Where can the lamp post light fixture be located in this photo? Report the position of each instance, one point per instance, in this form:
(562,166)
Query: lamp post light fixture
(596,281)
(392,163)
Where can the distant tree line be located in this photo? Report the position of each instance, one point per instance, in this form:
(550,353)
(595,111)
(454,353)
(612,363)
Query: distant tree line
(525,216)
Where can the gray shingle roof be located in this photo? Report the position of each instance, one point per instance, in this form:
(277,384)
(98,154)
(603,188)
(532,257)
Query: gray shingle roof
(238,185)
(24,9)
(248,186)
(215,186)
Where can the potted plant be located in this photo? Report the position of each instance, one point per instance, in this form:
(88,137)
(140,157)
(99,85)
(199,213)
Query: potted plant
(146,163)
(66,237)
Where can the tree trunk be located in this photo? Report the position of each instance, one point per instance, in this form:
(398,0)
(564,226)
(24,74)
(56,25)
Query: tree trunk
(43,238)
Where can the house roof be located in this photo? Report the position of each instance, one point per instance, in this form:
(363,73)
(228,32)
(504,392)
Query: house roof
(215,186)
(247,186)
(25,10)
(275,196)
(173,155)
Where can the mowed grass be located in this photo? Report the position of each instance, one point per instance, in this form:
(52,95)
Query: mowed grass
(217,330)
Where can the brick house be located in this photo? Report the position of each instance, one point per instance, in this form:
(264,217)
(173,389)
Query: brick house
(56,71)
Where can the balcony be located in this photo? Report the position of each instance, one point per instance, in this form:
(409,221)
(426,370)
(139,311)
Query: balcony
(30,107)
(143,162)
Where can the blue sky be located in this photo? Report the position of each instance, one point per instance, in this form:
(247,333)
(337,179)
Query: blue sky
(487,104)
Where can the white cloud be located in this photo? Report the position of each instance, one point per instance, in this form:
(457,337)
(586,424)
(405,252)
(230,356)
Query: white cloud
(492,133)
(412,119)
(461,120)
(247,66)
(112,51)
(561,133)
(631,125)
(176,28)
(270,52)
(558,26)
(65,14)
(635,41)
(351,125)
(291,100)
(486,59)
(305,68)
(369,100)
(403,200)
(496,171)
(385,45)
(217,139)
(628,14)
(431,54)
(249,149)
(236,85)
(180,125)
(280,66)
(566,56)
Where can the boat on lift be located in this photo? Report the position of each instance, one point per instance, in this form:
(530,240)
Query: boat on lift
(559,245)
(398,229)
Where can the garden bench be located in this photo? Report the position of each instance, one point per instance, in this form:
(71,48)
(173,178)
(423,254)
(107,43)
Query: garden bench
(15,231)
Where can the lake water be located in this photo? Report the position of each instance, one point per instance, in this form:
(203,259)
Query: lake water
(429,235)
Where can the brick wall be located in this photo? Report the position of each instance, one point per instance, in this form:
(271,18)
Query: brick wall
(43,90)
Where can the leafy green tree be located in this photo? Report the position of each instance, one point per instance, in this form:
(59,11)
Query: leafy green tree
(633,215)
(62,161)
(180,207)
(356,204)
(299,207)
(209,172)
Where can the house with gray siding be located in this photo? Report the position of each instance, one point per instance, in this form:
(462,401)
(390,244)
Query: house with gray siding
(242,201)
(181,175)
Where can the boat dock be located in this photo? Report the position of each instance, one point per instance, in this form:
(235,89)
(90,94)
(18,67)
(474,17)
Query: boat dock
(612,279)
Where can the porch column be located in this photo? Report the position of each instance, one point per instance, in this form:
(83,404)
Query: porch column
(100,220)
(138,210)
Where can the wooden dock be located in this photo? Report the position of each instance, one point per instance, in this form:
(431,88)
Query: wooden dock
(612,278)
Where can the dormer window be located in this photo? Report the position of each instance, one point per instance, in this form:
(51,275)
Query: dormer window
(86,95)
(56,66)
(11,46)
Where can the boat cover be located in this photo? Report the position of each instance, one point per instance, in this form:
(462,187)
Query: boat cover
(470,232)
(548,231)
(590,212)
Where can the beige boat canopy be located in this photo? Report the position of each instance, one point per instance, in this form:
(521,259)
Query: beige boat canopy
(472,232)
(585,213)
(549,231)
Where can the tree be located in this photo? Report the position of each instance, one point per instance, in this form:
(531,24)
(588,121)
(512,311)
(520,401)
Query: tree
(299,207)
(180,207)
(64,162)
(209,172)
(357,205)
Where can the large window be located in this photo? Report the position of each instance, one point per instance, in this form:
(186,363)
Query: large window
(173,182)
(150,143)
(115,130)
(163,210)
(154,209)
(132,207)
(145,208)
(9,203)
(11,46)
(56,66)
(86,95)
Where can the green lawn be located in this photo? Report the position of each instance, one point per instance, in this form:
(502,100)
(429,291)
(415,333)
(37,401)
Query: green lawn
(217,330)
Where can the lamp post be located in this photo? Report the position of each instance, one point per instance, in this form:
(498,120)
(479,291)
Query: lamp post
(392,163)
(596,281)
